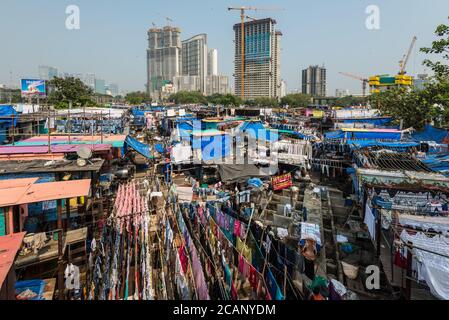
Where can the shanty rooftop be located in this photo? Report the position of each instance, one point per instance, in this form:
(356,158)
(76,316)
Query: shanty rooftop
(23,191)
(59,165)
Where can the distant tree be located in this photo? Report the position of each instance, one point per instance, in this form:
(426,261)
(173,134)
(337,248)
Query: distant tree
(266,102)
(412,106)
(64,90)
(349,101)
(439,47)
(224,99)
(296,100)
(138,97)
(188,97)
(418,107)
(250,103)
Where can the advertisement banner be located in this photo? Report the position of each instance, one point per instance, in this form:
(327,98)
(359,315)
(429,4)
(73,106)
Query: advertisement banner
(282,182)
(33,87)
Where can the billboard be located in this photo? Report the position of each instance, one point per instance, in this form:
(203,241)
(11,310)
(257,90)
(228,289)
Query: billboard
(33,87)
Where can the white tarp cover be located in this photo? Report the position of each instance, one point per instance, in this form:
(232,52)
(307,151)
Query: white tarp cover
(180,153)
(431,268)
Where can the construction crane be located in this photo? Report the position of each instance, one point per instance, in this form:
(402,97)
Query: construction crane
(403,62)
(364,81)
(242,39)
(168,21)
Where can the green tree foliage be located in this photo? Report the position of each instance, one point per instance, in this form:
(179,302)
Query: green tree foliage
(63,90)
(224,99)
(349,101)
(266,102)
(409,105)
(188,97)
(296,100)
(137,98)
(416,107)
(439,47)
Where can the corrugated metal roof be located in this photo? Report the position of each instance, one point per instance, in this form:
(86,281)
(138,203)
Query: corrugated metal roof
(9,245)
(23,192)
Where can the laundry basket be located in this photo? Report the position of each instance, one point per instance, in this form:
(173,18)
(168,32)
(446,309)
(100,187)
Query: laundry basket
(349,270)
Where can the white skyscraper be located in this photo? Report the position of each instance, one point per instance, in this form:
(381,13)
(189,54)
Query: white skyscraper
(194,58)
(212,62)
(163,57)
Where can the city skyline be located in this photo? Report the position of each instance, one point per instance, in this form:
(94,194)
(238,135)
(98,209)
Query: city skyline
(340,40)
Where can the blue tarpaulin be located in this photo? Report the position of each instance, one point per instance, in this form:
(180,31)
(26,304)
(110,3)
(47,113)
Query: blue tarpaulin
(140,147)
(375,121)
(185,129)
(359,144)
(334,135)
(6,114)
(372,135)
(159,147)
(430,134)
(213,147)
(257,131)
(438,163)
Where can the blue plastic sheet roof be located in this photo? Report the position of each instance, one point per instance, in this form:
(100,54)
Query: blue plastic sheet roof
(359,144)
(257,131)
(430,134)
(140,147)
(375,121)
(8,111)
(212,147)
(438,163)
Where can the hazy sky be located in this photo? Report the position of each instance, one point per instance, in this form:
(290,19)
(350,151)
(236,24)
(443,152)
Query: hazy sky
(112,39)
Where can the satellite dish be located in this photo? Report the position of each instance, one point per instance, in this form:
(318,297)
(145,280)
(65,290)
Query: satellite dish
(81,162)
(84,153)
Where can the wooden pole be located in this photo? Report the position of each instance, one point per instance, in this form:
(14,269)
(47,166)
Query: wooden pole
(408,280)
(60,266)
(59,209)
(48,120)
(378,231)
(67,212)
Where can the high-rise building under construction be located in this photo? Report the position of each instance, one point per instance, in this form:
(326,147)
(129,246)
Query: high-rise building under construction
(262,72)
(163,57)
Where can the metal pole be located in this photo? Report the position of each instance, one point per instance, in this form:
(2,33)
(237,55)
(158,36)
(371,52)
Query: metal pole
(68,121)
(13,129)
(48,120)
(101,123)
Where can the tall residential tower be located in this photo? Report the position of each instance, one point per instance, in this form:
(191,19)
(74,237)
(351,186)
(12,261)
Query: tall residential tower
(262,61)
(163,57)
(314,81)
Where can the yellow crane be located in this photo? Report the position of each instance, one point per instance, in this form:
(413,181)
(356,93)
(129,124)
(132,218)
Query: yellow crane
(365,81)
(403,62)
(242,40)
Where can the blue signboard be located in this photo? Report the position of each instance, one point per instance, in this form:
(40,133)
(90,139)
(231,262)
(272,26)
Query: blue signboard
(33,87)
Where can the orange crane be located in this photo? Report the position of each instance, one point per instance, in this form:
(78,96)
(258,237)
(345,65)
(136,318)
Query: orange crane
(242,42)
(404,60)
(365,81)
